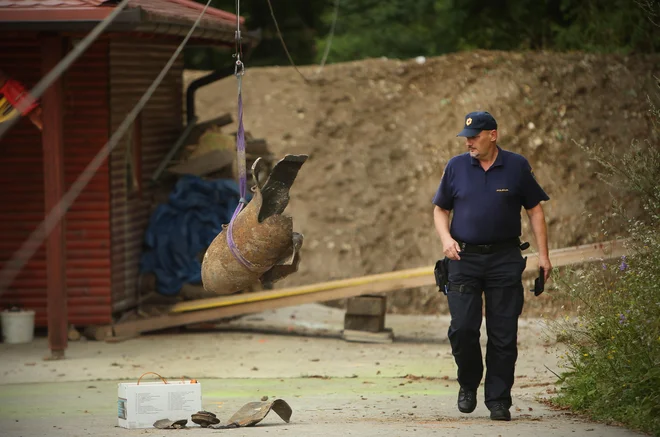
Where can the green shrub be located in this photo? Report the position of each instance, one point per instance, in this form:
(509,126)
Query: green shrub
(612,358)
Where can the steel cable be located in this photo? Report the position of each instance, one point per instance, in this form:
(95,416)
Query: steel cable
(328,42)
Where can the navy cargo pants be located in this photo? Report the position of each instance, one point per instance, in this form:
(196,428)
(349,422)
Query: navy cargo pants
(499,277)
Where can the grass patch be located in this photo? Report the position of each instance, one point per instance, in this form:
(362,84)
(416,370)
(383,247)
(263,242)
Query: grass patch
(611,370)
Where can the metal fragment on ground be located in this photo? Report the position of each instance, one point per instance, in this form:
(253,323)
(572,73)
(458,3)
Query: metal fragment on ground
(262,235)
(170,424)
(254,412)
(205,418)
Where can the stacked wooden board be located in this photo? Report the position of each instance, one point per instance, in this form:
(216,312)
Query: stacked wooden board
(204,310)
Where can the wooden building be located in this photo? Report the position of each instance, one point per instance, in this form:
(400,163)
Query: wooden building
(87,269)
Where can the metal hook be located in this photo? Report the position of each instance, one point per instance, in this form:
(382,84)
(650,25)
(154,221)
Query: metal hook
(239,68)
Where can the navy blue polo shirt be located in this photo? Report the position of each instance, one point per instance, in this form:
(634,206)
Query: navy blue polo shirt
(486,204)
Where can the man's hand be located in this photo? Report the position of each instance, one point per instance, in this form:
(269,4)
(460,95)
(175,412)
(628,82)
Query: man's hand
(544,262)
(537,220)
(451,249)
(449,246)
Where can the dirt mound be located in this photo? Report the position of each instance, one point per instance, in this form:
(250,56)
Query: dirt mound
(379,133)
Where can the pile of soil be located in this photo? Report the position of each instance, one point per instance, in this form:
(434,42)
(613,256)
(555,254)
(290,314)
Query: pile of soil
(379,132)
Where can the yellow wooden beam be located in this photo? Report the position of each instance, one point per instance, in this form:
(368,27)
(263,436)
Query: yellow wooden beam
(399,279)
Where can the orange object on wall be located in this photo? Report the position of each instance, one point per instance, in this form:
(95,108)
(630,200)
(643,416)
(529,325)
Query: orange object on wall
(15,93)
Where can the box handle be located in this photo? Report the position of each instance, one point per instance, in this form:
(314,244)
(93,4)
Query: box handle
(154,373)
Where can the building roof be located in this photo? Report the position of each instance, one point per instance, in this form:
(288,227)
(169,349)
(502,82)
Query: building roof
(154,16)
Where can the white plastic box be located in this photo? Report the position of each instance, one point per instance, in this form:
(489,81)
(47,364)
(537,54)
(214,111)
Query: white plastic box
(140,404)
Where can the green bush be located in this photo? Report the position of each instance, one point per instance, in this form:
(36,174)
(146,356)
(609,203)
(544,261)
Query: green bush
(612,358)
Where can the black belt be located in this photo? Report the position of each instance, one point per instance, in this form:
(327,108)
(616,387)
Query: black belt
(492,248)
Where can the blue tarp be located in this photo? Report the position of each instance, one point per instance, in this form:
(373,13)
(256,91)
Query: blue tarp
(184,227)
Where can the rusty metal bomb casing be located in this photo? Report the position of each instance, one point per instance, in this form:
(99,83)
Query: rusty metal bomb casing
(262,235)
(263,244)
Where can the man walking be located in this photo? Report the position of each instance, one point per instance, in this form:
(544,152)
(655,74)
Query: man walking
(486,188)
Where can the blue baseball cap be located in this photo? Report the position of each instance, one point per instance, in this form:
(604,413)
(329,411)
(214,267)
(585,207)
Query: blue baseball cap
(477,121)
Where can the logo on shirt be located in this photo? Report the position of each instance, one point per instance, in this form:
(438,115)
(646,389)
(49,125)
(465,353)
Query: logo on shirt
(502,190)
(468,122)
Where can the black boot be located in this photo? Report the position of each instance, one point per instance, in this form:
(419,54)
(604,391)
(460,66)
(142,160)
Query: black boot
(467,400)
(499,412)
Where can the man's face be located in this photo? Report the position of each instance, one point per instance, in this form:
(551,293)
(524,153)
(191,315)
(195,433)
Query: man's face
(480,144)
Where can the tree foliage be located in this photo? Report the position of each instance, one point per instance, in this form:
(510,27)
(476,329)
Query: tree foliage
(404,29)
(298,20)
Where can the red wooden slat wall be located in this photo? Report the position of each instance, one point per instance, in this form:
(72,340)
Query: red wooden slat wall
(106,224)
(134,64)
(86,128)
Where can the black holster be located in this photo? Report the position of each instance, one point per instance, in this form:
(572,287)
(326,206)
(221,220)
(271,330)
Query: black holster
(441,272)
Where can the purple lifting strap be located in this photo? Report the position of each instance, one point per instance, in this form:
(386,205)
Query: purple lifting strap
(242,183)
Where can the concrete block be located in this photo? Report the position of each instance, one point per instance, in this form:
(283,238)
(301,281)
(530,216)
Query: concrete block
(364,323)
(366,305)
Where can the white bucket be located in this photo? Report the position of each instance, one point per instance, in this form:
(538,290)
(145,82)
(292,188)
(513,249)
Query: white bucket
(17,326)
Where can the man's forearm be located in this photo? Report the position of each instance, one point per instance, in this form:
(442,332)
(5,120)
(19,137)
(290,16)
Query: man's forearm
(441,221)
(539,228)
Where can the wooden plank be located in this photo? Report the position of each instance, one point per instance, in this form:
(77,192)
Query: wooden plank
(397,279)
(200,128)
(580,254)
(257,147)
(204,164)
(227,306)
(179,319)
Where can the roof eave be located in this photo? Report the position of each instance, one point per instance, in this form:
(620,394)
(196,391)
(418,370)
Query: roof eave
(171,26)
(56,18)
(130,20)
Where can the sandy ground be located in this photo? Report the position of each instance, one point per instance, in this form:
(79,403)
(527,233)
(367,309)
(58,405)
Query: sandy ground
(334,387)
(379,133)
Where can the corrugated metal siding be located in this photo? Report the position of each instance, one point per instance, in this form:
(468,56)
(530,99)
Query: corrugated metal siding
(86,130)
(133,67)
(21,178)
(22,198)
